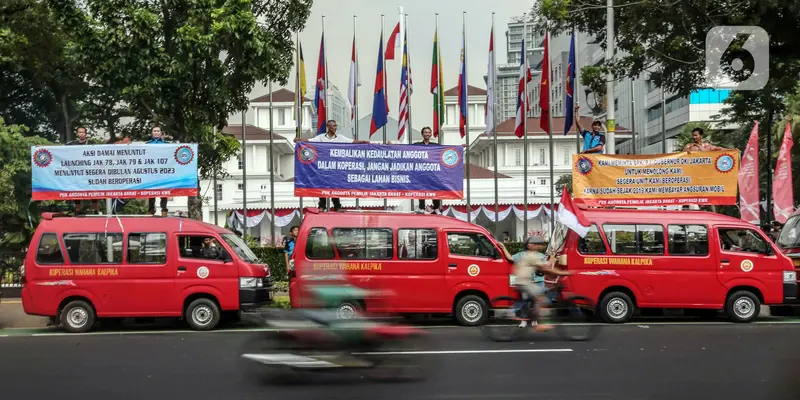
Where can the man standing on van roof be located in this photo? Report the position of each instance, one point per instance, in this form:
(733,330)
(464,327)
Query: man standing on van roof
(426,140)
(594,141)
(82,140)
(697,143)
(157,138)
(330,137)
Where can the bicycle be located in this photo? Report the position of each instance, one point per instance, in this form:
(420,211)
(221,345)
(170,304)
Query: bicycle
(567,312)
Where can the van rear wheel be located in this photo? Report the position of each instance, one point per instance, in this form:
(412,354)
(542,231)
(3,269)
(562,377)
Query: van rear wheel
(616,308)
(203,315)
(77,317)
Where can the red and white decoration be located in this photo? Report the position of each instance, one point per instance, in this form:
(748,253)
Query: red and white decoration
(283,217)
(534,211)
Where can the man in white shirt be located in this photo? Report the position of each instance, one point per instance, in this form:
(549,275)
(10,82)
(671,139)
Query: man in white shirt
(330,137)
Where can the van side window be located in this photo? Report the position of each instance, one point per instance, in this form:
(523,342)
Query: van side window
(363,244)
(470,245)
(688,240)
(742,241)
(635,239)
(203,246)
(49,251)
(417,244)
(592,243)
(94,248)
(319,244)
(147,248)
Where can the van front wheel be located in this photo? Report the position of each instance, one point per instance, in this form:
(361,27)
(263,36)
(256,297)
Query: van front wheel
(472,310)
(743,306)
(203,315)
(77,317)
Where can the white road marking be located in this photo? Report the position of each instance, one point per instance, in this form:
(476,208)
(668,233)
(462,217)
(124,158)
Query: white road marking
(496,351)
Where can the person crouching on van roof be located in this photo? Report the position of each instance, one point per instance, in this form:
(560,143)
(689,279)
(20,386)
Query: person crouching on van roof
(330,137)
(426,140)
(82,140)
(594,141)
(157,138)
(531,262)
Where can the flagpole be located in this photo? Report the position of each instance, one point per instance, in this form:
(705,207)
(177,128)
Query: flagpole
(438,82)
(299,96)
(576,93)
(355,87)
(550,138)
(408,87)
(494,135)
(466,110)
(525,128)
(271,173)
(327,104)
(386,92)
(216,208)
(244,173)
(633,117)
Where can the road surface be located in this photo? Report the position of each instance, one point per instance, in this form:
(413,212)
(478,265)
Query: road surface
(683,361)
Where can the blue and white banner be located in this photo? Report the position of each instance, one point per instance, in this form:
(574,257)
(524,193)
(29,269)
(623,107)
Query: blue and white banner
(382,171)
(114,171)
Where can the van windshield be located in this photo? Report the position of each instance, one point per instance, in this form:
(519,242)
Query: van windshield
(240,247)
(790,234)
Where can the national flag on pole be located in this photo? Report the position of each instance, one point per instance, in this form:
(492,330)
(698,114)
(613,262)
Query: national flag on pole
(436,87)
(569,111)
(319,94)
(380,107)
(749,191)
(782,193)
(352,88)
(522,98)
(395,40)
(544,88)
(402,122)
(462,89)
(301,71)
(571,216)
(489,109)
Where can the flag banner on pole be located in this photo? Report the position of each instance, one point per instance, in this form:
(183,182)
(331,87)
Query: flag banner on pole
(380,107)
(379,171)
(544,88)
(569,104)
(523,105)
(113,171)
(402,121)
(394,42)
(302,85)
(571,216)
(489,109)
(352,88)
(601,180)
(319,94)
(462,90)
(782,193)
(749,192)
(436,87)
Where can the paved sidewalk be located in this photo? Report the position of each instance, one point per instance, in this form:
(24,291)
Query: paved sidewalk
(13,316)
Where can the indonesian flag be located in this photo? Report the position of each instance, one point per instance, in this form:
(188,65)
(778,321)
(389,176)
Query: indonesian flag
(570,216)
(523,105)
(352,87)
(748,180)
(782,193)
(395,41)
(489,109)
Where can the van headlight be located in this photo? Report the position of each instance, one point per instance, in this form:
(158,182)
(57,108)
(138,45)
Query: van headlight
(789,276)
(246,283)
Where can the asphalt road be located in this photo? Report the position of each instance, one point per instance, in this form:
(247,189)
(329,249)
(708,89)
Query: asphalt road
(723,361)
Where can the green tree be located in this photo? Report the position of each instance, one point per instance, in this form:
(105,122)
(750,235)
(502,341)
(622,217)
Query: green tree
(15,187)
(562,181)
(187,64)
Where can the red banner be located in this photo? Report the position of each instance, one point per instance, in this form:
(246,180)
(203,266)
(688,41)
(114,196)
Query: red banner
(749,197)
(782,193)
(110,194)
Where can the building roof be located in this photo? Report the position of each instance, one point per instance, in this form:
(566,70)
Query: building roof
(282,95)
(506,128)
(471,91)
(476,172)
(253,132)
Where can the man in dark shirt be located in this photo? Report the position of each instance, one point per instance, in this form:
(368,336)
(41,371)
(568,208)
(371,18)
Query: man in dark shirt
(82,140)
(426,140)
(157,138)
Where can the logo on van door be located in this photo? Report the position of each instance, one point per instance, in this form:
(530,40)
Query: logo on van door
(474,270)
(202,272)
(747,265)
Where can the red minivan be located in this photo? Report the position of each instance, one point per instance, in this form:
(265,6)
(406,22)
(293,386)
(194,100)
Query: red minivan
(79,269)
(676,259)
(431,264)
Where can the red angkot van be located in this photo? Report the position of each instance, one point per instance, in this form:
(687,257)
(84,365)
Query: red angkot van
(80,269)
(676,259)
(431,264)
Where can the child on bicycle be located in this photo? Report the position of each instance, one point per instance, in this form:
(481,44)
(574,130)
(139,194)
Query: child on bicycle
(525,268)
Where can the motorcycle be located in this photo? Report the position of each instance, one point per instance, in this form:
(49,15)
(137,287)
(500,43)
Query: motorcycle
(316,340)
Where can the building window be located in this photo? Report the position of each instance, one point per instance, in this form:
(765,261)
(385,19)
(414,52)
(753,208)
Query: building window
(239,161)
(517,157)
(263,187)
(566,153)
(542,157)
(240,186)
(218,192)
(543,182)
(281,117)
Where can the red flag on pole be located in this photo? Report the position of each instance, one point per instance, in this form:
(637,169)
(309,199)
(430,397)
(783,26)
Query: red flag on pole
(544,88)
(782,193)
(748,180)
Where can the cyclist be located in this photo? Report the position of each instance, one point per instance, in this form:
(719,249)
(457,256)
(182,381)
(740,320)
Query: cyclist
(525,268)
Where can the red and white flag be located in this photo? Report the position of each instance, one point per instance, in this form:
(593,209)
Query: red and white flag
(489,109)
(782,193)
(523,106)
(396,39)
(352,88)
(571,216)
(748,180)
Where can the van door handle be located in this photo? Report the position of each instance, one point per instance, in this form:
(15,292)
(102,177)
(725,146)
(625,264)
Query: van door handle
(452,265)
(725,260)
(182,269)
